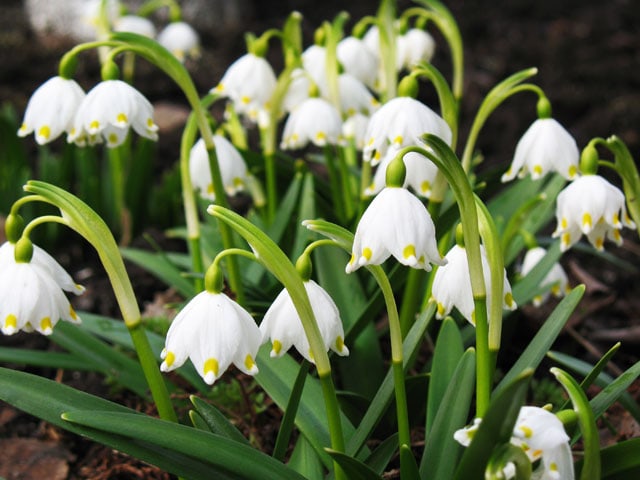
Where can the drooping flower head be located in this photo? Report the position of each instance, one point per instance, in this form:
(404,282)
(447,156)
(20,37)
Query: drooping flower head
(452,285)
(545,147)
(232,168)
(556,280)
(108,111)
(283,326)
(135,24)
(398,123)
(315,121)
(541,436)
(181,40)
(592,206)
(249,82)
(214,332)
(395,223)
(51,109)
(31,296)
(358,60)
(421,173)
(414,46)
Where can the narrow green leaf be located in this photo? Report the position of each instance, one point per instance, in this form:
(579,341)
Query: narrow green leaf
(159,265)
(38,358)
(541,343)
(230,457)
(354,468)
(620,461)
(441,451)
(447,354)
(383,453)
(529,286)
(496,427)
(601,402)
(305,460)
(408,465)
(48,400)
(586,419)
(216,421)
(198,422)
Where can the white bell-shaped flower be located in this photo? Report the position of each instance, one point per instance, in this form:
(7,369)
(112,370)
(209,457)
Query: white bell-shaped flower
(395,223)
(108,111)
(315,121)
(181,40)
(298,90)
(541,436)
(421,173)
(314,61)
(593,206)
(354,128)
(283,326)
(556,280)
(233,168)
(51,109)
(31,298)
(354,96)
(214,332)
(413,47)
(358,60)
(135,24)
(43,259)
(545,147)
(452,285)
(400,122)
(249,82)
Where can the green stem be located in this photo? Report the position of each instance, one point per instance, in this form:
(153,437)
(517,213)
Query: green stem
(333,417)
(385,21)
(484,377)
(117,174)
(334,183)
(345,184)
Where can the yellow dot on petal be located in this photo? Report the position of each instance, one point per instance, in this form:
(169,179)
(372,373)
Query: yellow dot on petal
(23,127)
(339,343)
(398,140)
(425,187)
(72,313)
(295,137)
(150,123)
(599,243)
(508,172)
(526,430)
(94,125)
(210,189)
(563,223)
(555,289)
(616,235)
(367,253)
(245,100)
(169,359)
(351,111)
(276,347)
(352,259)
(370,142)
(113,138)
(553,466)
(321,136)
(45,324)
(565,239)
(524,446)
(409,251)
(587,220)
(537,169)
(219,87)
(376,156)
(473,318)
(237,182)
(508,299)
(211,365)
(11,321)
(536,454)
(122,118)
(44,132)
(573,170)
(249,363)
(615,220)
(440,308)
(537,300)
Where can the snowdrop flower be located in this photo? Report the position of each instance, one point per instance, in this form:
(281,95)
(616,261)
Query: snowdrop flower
(556,278)
(541,436)
(399,123)
(135,24)
(545,147)
(593,206)
(315,120)
(354,129)
(358,60)
(108,111)
(421,173)
(298,90)
(395,223)
(232,167)
(31,298)
(413,47)
(181,40)
(214,332)
(314,62)
(283,326)
(51,109)
(354,96)
(452,285)
(42,259)
(249,82)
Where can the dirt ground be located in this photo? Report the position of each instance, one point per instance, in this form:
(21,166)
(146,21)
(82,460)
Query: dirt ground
(588,56)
